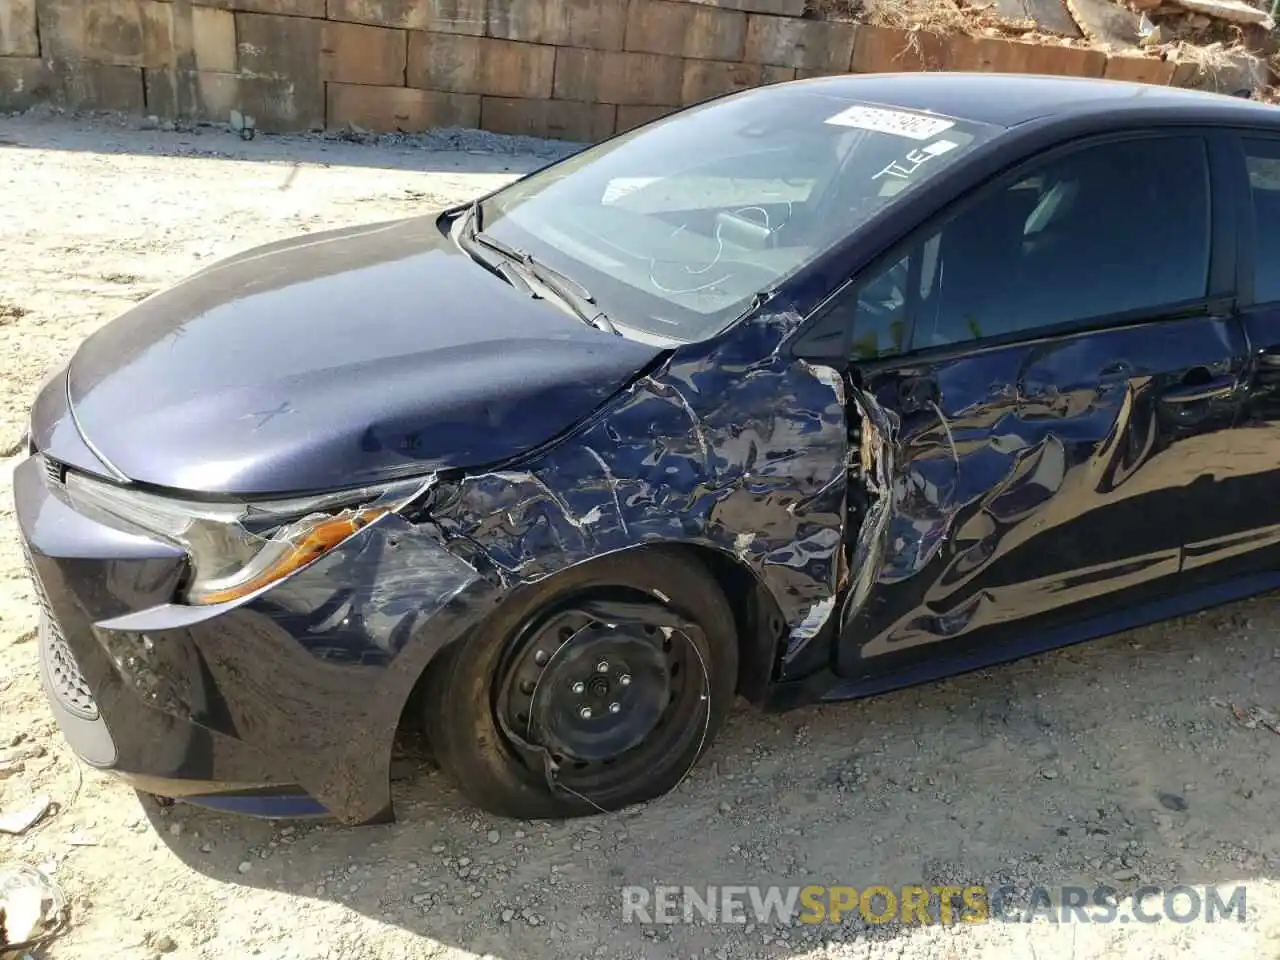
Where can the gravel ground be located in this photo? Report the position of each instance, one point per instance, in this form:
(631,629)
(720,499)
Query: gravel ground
(1121,761)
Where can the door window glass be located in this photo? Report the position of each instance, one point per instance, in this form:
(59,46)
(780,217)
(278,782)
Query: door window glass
(1263,158)
(1105,230)
(876,315)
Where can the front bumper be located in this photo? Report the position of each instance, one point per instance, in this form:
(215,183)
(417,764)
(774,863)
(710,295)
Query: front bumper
(285,705)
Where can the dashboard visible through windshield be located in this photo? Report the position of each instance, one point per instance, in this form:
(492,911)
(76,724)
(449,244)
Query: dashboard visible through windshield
(676,227)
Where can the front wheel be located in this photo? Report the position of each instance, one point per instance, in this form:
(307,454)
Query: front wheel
(587,692)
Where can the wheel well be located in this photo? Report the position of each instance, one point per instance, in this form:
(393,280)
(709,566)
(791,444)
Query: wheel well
(758,624)
(757,619)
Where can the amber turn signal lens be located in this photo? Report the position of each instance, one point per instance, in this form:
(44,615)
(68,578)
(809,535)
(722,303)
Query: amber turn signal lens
(307,545)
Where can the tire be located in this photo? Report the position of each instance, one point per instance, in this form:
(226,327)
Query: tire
(462,719)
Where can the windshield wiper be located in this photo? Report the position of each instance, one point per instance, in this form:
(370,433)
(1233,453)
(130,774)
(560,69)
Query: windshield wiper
(568,291)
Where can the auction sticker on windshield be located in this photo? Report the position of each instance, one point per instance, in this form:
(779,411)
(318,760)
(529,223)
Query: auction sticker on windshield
(916,126)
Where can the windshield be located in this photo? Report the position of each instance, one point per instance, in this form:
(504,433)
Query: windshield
(676,227)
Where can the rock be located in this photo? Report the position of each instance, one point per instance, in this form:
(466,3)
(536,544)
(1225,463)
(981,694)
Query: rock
(1049,773)
(164,943)
(508,916)
(1106,22)
(31,751)
(175,829)
(1228,72)
(1235,11)
(494,836)
(30,903)
(23,818)
(1171,801)
(23,915)
(1051,16)
(245,866)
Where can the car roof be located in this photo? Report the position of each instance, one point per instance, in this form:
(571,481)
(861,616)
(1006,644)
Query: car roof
(1007,99)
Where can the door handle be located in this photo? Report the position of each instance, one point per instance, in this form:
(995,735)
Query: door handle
(1199,384)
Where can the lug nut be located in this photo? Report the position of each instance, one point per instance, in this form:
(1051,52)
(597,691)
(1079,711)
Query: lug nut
(540,657)
(602,666)
(625,679)
(585,713)
(615,707)
(579,687)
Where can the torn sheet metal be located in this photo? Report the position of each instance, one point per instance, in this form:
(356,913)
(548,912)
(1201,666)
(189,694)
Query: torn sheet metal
(730,446)
(727,445)
(358,604)
(1035,482)
(313,674)
(876,465)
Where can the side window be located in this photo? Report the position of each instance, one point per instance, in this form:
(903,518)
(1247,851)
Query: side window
(1263,158)
(875,313)
(1104,230)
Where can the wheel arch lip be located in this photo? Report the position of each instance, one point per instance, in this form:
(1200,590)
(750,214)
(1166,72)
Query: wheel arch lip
(730,447)
(758,623)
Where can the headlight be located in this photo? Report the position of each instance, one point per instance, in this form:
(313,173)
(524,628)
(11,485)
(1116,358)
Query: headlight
(237,549)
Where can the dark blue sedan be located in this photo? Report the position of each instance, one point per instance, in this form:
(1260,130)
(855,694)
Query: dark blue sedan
(804,393)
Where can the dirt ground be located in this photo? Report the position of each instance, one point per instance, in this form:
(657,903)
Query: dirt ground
(1120,761)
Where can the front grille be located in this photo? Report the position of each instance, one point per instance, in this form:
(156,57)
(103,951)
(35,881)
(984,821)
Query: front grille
(65,680)
(55,471)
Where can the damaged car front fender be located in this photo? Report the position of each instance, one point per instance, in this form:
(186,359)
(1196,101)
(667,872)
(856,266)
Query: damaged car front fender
(730,446)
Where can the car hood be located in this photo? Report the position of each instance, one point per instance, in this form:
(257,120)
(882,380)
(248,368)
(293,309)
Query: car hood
(337,359)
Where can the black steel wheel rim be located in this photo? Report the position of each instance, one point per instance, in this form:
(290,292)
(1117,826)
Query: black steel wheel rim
(607,703)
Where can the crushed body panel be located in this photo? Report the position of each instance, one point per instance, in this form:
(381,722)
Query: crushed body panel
(730,445)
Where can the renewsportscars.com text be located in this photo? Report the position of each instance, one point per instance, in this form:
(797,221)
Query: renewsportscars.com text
(878,904)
